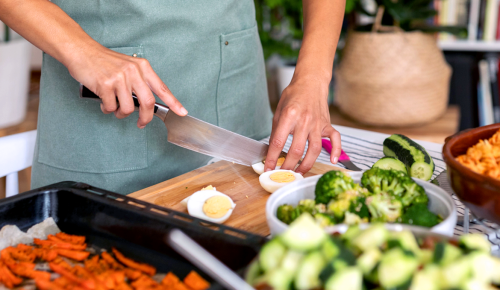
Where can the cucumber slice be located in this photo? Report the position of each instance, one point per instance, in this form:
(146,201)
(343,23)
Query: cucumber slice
(271,255)
(396,269)
(307,276)
(390,163)
(349,278)
(304,234)
(418,162)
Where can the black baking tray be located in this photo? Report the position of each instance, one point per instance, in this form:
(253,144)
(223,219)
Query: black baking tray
(137,228)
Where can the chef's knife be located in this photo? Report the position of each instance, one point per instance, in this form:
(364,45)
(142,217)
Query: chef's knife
(202,137)
(344,158)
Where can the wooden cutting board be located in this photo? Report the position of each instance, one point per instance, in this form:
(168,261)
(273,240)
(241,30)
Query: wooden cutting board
(240,182)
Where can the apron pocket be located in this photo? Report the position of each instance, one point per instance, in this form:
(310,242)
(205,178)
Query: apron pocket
(75,135)
(242,100)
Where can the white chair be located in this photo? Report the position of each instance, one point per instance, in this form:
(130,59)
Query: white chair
(16,154)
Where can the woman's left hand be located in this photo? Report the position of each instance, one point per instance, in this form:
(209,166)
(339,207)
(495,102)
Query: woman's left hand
(303,112)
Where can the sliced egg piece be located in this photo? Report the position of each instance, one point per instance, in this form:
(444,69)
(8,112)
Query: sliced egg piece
(185,201)
(210,205)
(259,167)
(276,179)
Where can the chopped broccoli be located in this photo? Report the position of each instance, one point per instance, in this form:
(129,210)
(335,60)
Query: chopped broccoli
(384,208)
(395,183)
(413,192)
(342,203)
(307,205)
(331,184)
(419,215)
(324,220)
(320,208)
(286,213)
(353,219)
(358,207)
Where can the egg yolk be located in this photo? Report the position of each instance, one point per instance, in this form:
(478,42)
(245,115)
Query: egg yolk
(210,187)
(280,161)
(216,206)
(282,177)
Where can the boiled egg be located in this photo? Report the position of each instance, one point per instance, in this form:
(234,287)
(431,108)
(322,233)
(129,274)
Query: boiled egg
(210,205)
(276,179)
(185,201)
(259,167)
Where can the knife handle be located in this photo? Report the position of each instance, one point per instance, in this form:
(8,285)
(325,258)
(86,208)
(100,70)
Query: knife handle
(160,110)
(328,147)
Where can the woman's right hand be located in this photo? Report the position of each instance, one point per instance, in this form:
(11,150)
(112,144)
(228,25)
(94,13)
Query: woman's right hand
(112,75)
(105,72)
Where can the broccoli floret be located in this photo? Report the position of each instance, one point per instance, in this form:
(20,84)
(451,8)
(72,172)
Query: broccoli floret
(307,205)
(320,208)
(324,220)
(353,219)
(395,183)
(285,213)
(419,215)
(413,192)
(358,207)
(331,184)
(342,203)
(384,207)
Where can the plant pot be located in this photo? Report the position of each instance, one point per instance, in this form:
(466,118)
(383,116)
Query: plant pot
(392,79)
(14,81)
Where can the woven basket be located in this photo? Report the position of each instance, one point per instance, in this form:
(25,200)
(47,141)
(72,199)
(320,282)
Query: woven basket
(392,79)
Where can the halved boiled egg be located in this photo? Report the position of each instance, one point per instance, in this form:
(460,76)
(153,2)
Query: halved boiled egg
(259,167)
(210,205)
(276,179)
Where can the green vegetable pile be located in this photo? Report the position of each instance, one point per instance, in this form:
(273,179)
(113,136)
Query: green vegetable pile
(384,196)
(306,257)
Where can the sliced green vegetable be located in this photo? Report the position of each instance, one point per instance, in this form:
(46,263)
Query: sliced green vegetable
(390,163)
(418,162)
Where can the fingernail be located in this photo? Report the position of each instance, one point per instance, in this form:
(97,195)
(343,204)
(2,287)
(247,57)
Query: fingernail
(335,160)
(142,127)
(184,111)
(269,169)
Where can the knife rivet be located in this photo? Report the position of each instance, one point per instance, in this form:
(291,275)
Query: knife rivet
(226,43)
(134,55)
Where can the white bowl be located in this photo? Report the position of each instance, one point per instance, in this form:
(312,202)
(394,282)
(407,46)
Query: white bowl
(439,203)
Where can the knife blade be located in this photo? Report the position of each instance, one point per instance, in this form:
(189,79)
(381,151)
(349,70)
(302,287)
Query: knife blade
(343,158)
(202,137)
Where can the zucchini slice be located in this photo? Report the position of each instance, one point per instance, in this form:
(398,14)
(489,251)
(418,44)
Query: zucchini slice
(418,162)
(390,163)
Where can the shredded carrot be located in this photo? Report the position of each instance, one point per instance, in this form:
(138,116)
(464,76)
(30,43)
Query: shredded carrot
(75,255)
(144,281)
(73,239)
(9,279)
(150,270)
(47,285)
(86,283)
(59,245)
(111,261)
(194,281)
(170,279)
(123,286)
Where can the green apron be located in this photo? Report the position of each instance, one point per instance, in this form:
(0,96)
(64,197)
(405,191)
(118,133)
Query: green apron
(207,52)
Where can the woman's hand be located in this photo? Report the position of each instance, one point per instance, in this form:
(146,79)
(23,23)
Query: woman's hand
(303,112)
(110,74)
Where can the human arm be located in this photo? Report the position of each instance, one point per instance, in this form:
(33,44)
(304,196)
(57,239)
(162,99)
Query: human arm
(107,73)
(303,107)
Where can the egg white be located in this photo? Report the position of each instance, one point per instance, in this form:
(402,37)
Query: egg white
(259,167)
(270,185)
(197,200)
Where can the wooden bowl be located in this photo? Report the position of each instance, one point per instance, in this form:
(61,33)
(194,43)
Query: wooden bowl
(480,193)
